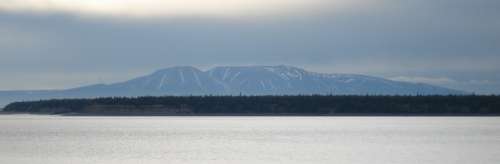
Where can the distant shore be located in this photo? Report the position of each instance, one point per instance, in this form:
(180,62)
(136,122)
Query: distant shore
(249,114)
(314,105)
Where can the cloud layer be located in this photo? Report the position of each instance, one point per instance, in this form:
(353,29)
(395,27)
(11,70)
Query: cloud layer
(170,8)
(449,39)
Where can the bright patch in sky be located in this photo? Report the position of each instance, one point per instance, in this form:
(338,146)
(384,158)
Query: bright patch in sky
(151,8)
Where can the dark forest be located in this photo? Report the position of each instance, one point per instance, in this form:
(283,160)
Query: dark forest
(266,105)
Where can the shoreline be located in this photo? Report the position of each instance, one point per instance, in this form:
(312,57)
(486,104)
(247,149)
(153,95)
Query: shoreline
(250,115)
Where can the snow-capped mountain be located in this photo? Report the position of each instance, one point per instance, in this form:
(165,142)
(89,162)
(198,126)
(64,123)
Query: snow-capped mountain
(292,80)
(246,80)
(175,81)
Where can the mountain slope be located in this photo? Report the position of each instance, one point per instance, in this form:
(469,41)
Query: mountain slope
(174,81)
(292,80)
(248,80)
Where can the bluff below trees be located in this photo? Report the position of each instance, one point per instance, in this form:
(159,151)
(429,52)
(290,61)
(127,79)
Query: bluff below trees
(266,105)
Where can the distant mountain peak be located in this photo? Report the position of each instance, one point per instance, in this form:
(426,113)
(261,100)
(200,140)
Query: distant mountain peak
(234,80)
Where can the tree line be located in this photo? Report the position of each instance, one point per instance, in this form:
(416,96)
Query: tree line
(272,105)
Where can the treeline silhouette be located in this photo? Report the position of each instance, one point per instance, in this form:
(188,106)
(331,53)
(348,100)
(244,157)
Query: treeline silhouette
(268,105)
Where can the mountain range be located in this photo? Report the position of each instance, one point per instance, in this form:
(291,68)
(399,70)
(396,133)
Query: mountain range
(239,80)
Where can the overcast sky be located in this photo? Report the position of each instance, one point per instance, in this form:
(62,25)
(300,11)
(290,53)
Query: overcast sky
(54,44)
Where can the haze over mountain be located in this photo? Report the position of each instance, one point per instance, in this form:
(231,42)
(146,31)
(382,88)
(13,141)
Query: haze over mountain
(244,80)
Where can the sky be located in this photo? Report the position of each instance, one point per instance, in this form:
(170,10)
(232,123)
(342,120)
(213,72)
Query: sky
(56,44)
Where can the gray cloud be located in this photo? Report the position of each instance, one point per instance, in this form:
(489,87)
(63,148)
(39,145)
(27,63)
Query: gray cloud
(446,38)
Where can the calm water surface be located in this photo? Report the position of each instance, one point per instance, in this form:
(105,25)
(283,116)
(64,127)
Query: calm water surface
(123,140)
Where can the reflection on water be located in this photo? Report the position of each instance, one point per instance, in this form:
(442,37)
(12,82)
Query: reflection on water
(122,140)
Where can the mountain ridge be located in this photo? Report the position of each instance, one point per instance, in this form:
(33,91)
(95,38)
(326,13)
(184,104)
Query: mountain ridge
(237,80)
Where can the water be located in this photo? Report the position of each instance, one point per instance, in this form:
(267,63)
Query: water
(123,140)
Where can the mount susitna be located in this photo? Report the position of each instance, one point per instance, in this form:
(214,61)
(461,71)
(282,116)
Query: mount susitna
(241,80)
